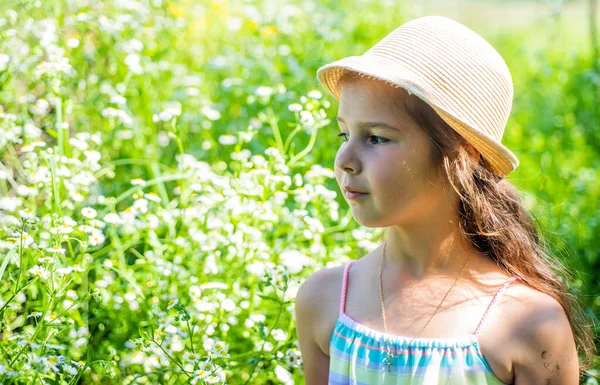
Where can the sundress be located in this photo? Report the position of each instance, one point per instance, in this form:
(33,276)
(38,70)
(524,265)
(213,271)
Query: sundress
(357,353)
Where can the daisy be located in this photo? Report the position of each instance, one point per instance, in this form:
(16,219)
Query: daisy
(191,357)
(26,214)
(152,196)
(112,218)
(89,212)
(65,229)
(97,238)
(172,303)
(56,249)
(39,271)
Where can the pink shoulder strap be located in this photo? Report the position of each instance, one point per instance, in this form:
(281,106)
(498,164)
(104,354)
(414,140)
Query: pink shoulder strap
(345,288)
(494,301)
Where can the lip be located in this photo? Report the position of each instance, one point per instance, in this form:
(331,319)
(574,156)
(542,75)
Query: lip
(349,188)
(355,195)
(351,193)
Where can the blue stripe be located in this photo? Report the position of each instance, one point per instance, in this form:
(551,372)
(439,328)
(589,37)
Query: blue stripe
(467,362)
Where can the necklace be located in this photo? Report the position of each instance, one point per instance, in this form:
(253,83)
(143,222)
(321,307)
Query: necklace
(389,354)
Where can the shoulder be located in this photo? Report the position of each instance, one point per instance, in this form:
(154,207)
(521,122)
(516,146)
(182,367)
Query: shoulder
(318,302)
(321,282)
(543,347)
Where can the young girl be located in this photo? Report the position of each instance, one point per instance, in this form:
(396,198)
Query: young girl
(460,291)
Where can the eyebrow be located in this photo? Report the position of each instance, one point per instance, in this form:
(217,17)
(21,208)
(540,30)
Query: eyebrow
(370,124)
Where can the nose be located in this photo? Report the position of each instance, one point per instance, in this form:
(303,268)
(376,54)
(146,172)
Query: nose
(347,158)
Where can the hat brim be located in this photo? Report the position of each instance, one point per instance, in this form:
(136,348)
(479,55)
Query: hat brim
(502,161)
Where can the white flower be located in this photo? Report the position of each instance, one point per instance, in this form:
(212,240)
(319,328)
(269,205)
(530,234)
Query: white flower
(315,94)
(118,100)
(194,291)
(279,335)
(4,59)
(273,152)
(227,139)
(73,43)
(264,91)
(140,206)
(88,212)
(244,154)
(109,112)
(96,238)
(53,362)
(294,261)
(56,249)
(317,171)
(54,66)
(172,303)
(133,62)
(92,155)
(122,115)
(208,344)
(295,107)
(191,357)
(25,238)
(35,314)
(62,271)
(39,271)
(138,182)
(293,358)
(210,113)
(65,229)
(25,214)
(78,143)
(71,370)
(220,349)
(307,118)
(152,196)
(113,218)
(228,305)
(171,110)
(283,375)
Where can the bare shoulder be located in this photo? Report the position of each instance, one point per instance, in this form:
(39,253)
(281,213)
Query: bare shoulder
(320,293)
(542,346)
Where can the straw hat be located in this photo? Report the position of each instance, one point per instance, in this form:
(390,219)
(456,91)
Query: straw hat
(450,67)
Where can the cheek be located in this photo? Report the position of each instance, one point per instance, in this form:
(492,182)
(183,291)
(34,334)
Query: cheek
(396,178)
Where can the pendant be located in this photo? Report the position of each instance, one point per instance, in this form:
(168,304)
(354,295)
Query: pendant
(387,359)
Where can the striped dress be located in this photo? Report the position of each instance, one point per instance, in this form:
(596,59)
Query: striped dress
(357,352)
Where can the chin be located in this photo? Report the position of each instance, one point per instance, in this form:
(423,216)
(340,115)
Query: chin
(368,222)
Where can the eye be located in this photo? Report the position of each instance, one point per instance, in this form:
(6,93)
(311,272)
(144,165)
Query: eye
(383,140)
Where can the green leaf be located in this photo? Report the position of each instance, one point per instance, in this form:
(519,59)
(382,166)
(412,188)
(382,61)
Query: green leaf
(269,297)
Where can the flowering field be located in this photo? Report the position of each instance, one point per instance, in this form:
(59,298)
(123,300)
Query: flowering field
(166,182)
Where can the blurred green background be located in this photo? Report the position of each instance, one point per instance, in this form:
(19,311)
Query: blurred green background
(159,79)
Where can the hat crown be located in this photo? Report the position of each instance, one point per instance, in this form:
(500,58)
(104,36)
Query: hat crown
(454,60)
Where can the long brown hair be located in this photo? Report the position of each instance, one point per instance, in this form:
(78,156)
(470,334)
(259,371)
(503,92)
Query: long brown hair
(493,218)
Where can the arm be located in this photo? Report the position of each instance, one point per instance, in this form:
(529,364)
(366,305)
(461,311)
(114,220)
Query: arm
(548,354)
(315,362)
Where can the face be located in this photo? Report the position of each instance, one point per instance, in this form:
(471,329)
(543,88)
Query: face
(391,164)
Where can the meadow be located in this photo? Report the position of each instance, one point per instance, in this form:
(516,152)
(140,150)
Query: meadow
(166,176)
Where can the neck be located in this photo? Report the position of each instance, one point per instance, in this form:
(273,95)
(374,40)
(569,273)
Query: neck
(443,253)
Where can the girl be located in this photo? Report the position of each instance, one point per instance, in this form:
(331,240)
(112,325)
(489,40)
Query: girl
(460,291)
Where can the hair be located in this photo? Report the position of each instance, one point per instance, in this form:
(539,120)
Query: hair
(493,218)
